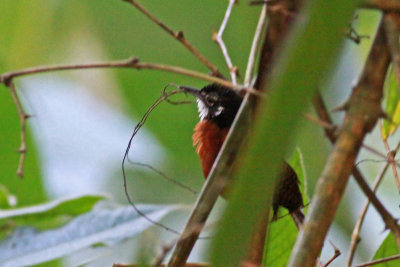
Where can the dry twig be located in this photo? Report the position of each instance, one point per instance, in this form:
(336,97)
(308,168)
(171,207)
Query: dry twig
(217,37)
(255,45)
(387,259)
(335,255)
(390,156)
(355,236)
(178,36)
(132,62)
(22,120)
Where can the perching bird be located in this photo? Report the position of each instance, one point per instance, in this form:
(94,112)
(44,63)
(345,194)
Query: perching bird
(217,107)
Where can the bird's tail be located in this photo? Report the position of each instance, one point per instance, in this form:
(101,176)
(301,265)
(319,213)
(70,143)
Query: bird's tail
(298,217)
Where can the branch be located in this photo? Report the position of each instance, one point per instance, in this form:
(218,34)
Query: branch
(355,236)
(362,113)
(22,120)
(217,37)
(387,259)
(384,5)
(179,36)
(336,254)
(280,17)
(132,62)
(390,156)
(390,222)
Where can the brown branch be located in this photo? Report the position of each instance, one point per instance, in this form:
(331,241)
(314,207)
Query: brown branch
(179,36)
(280,17)
(132,62)
(386,216)
(384,5)
(217,37)
(355,236)
(362,113)
(336,254)
(22,120)
(387,259)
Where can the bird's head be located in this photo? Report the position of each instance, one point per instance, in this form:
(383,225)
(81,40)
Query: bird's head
(216,103)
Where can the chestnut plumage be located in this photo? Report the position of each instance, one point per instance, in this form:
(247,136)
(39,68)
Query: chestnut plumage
(218,106)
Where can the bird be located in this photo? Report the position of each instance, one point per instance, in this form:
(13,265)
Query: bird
(217,107)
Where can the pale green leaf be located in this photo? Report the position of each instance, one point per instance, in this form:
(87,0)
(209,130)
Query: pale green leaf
(387,248)
(27,246)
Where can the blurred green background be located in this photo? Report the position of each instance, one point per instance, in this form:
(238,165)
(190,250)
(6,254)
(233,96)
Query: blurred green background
(82,119)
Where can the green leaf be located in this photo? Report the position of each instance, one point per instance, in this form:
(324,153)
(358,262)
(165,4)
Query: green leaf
(48,215)
(387,248)
(297,75)
(28,246)
(283,232)
(392,105)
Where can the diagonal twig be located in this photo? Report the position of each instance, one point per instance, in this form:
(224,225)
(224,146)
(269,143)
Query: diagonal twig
(217,37)
(390,222)
(179,36)
(363,110)
(387,259)
(260,29)
(390,156)
(355,236)
(336,254)
(131,62)
(22,120)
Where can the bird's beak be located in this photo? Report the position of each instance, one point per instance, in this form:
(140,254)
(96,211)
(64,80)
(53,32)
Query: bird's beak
(193,91)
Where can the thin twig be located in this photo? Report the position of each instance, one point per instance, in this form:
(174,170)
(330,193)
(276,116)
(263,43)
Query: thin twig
(353,35)
(164,251)
(261,26)
(166,177)
(327,126)
(179,36)
(355,236)
(387,259)
(376,152)
(132,63)
(22,120)
(390,156)
(164,96)
(331,128)
(217,37)
(336,254)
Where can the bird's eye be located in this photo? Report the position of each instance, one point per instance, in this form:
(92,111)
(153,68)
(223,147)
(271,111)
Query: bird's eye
(211,99)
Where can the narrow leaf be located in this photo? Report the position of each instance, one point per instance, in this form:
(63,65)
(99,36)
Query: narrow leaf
(28,246)
(387,248)
(283,232)
(392,105)
(47,215)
